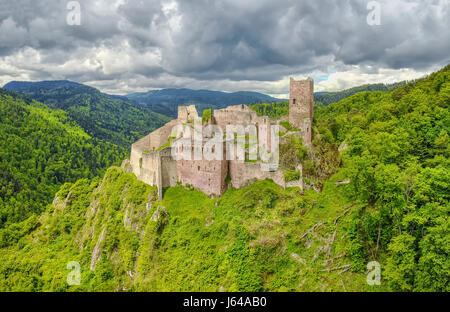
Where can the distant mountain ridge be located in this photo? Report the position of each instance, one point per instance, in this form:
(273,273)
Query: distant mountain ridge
(93,109)
(327,98)
(114,119)
(166,101)
(18,86)
(122,119)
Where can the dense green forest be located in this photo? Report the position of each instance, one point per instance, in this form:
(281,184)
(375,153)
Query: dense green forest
(327,98)
(398,164)
(273,110)
(40,149)
(106,117)
(380,167)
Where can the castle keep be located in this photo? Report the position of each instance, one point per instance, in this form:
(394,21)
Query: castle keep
(152,162)
(301,106)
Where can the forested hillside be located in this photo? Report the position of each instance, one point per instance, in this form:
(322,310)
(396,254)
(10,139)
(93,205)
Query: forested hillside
(380,166)
(327,98)
(273,110)
(40,149)
(103,116)
(166,101)
(398,164)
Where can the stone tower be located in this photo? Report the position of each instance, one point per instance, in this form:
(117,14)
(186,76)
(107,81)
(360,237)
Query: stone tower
(301,106)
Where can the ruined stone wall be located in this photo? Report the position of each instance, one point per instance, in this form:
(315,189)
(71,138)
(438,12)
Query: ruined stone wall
(236,115)
(307,131)
(149,165)
(301,106)
(150,143)
(206,175)
(160,136)
(245,173)
(145,163)
(135,155)
(169,170)
(187,113)
(243,115)
(137,149)
(160,169)
(154,168)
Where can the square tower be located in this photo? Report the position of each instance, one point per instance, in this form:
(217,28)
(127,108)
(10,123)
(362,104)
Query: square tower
(301,106)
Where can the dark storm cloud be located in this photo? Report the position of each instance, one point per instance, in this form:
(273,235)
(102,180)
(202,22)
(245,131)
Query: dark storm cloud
(228,37)
(234,40)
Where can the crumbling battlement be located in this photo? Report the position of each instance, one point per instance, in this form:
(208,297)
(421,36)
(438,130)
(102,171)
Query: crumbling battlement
(151,160)
(156,139)
(237,115)
(187,113)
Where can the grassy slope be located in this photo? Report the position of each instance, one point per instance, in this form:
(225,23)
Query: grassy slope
(243,241)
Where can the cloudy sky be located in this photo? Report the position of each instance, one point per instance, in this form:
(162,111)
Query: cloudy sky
(123,46)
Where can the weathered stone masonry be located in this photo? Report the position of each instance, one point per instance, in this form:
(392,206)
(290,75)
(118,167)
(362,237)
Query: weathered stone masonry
(154,165)
(301,106)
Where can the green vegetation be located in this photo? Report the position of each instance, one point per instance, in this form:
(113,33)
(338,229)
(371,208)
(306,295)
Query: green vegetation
(167,144)
(258,238)
(289,127)
(106,117)
(290,175)
(206,116)
(40,149)
(292,152)
(383,198)
(398,165)
(272,109)
(327,98)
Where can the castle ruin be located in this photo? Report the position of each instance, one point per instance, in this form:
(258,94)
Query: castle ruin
(301,106)
(152,162)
